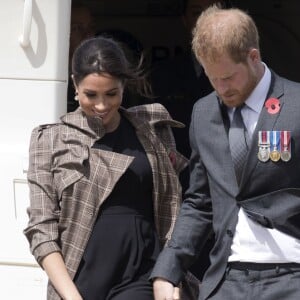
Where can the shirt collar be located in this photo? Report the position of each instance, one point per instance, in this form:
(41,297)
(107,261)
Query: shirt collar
(258,96)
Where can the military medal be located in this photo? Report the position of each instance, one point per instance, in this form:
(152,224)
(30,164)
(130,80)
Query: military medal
(275,142)
(275,155)
(263,145)
(285,145)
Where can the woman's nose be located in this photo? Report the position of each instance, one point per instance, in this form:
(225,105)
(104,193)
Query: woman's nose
(100,104)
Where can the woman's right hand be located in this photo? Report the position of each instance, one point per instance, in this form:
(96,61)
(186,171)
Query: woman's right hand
(57,272)
(78,297)
(164,290)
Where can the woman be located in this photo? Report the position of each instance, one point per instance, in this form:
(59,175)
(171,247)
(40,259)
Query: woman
(103,184)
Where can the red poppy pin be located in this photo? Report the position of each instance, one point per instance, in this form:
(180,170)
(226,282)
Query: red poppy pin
(172,156)
(272,105)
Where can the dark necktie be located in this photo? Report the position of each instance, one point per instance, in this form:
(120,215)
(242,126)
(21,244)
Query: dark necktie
(237,141)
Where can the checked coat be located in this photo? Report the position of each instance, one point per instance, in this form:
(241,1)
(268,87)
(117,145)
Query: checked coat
(69,180)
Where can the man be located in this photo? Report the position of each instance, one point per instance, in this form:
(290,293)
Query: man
(252,203)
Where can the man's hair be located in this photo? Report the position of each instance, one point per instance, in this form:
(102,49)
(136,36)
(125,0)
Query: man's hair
(224,31)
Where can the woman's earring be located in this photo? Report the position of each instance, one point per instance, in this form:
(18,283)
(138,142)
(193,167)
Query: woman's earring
(76,98)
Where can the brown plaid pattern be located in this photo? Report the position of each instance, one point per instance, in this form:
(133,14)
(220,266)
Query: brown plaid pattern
(69,180)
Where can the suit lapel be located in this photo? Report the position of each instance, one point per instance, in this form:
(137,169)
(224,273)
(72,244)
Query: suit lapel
(218,139)
(266,121)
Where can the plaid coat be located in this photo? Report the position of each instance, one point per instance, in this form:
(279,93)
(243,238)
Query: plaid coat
(69,180)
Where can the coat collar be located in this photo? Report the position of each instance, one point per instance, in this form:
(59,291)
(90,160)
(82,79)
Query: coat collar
(136,115)
(89,125)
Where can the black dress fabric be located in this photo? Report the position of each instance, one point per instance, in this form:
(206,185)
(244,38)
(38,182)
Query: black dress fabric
(123,247)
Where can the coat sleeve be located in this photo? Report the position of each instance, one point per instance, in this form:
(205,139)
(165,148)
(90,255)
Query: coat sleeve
(44,211)
(193,224)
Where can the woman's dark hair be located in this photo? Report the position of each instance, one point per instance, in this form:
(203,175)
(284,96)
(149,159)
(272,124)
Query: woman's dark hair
(104,55)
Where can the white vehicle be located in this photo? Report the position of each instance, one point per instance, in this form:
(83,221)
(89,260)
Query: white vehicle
(34,48)
(33,82)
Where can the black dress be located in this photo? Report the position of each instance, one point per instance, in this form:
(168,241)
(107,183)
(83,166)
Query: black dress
(123,247)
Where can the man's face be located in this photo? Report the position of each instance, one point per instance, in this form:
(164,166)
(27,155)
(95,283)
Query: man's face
(233,82)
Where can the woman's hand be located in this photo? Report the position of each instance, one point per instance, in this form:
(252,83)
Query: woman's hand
(164,290)
(58,275)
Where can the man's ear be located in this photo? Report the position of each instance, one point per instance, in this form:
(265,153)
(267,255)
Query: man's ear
(254,54)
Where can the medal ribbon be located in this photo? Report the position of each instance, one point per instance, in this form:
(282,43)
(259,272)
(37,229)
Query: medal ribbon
(286,138)
(263,137)
(275,140)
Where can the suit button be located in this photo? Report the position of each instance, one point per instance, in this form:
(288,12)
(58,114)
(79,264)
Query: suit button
(229,233)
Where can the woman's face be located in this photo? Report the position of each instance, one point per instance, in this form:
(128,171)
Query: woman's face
(101,96)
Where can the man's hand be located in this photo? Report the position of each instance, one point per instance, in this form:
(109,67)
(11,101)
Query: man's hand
(164,290)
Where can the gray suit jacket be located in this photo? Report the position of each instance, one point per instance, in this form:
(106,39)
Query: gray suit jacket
(269,192)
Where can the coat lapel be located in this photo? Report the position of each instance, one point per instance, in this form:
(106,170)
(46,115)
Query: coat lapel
(166,189)
(219,146)
(106,167)
(266,121)
(109,167)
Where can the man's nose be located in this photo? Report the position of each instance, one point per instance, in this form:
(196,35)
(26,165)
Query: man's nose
(222,87)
